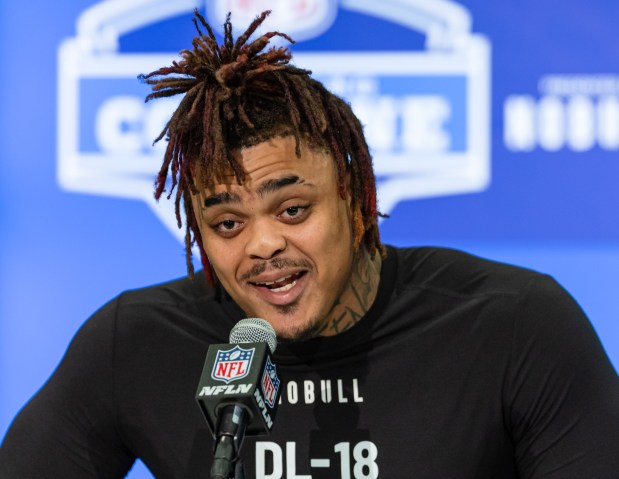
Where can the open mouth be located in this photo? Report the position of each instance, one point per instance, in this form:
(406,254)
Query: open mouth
(281,285)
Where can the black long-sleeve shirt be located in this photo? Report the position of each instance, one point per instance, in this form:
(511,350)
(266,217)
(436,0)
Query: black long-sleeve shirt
(463,368)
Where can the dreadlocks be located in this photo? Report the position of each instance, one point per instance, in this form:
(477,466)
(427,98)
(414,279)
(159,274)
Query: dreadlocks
(237,95)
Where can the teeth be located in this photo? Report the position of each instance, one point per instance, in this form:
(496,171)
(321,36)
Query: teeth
(284,288)
(268,283)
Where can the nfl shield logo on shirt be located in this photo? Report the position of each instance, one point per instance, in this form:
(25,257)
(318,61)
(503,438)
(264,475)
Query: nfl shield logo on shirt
(232,364)
(270,383)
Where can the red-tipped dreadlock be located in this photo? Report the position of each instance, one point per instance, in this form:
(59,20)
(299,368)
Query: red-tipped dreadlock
(238,95)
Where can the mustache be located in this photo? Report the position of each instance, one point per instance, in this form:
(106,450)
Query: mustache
(275,263)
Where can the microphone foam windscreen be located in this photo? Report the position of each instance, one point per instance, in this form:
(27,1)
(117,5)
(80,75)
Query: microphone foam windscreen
(254,330)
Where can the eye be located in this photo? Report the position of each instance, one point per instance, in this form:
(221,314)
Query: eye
(293,210)
(227,227)
(295,213)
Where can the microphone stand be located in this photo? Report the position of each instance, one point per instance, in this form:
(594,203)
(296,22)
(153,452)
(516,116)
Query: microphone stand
(232,420)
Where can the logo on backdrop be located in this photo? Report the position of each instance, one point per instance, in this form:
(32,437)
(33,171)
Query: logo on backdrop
(300,19)
(571,112)
(232,364)
(426,113)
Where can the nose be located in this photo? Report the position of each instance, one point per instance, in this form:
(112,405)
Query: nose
(265,240)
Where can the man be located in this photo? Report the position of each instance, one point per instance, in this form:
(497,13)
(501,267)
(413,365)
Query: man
(423,363)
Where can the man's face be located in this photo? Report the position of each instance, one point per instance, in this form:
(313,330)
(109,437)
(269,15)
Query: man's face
(281,244)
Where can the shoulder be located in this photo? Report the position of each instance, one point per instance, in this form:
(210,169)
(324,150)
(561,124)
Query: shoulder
(181,297)
(450,283)
(178,292)
(536,314)
(171,308)
(456,272)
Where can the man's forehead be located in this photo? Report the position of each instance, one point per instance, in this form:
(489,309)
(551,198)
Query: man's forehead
(271,165)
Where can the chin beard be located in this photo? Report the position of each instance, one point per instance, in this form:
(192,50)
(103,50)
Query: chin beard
(302,333)
(297,337)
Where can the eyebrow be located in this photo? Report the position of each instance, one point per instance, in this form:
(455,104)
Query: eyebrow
(221,198)
(269,186)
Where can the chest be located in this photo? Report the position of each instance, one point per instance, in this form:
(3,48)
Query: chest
(433,412)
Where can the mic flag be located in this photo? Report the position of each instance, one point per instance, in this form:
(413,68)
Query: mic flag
(242,373)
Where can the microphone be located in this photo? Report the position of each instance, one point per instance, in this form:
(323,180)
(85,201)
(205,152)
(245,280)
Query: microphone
(239,391)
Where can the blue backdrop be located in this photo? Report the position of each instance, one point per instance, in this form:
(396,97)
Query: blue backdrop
(494,127)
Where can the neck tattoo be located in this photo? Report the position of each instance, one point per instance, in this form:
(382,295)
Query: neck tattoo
(358,297)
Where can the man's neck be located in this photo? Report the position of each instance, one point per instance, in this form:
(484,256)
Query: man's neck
(357,298)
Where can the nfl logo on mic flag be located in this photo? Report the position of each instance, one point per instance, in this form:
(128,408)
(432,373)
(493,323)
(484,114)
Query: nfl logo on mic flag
(243,375)
(232,364)
(270,383)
